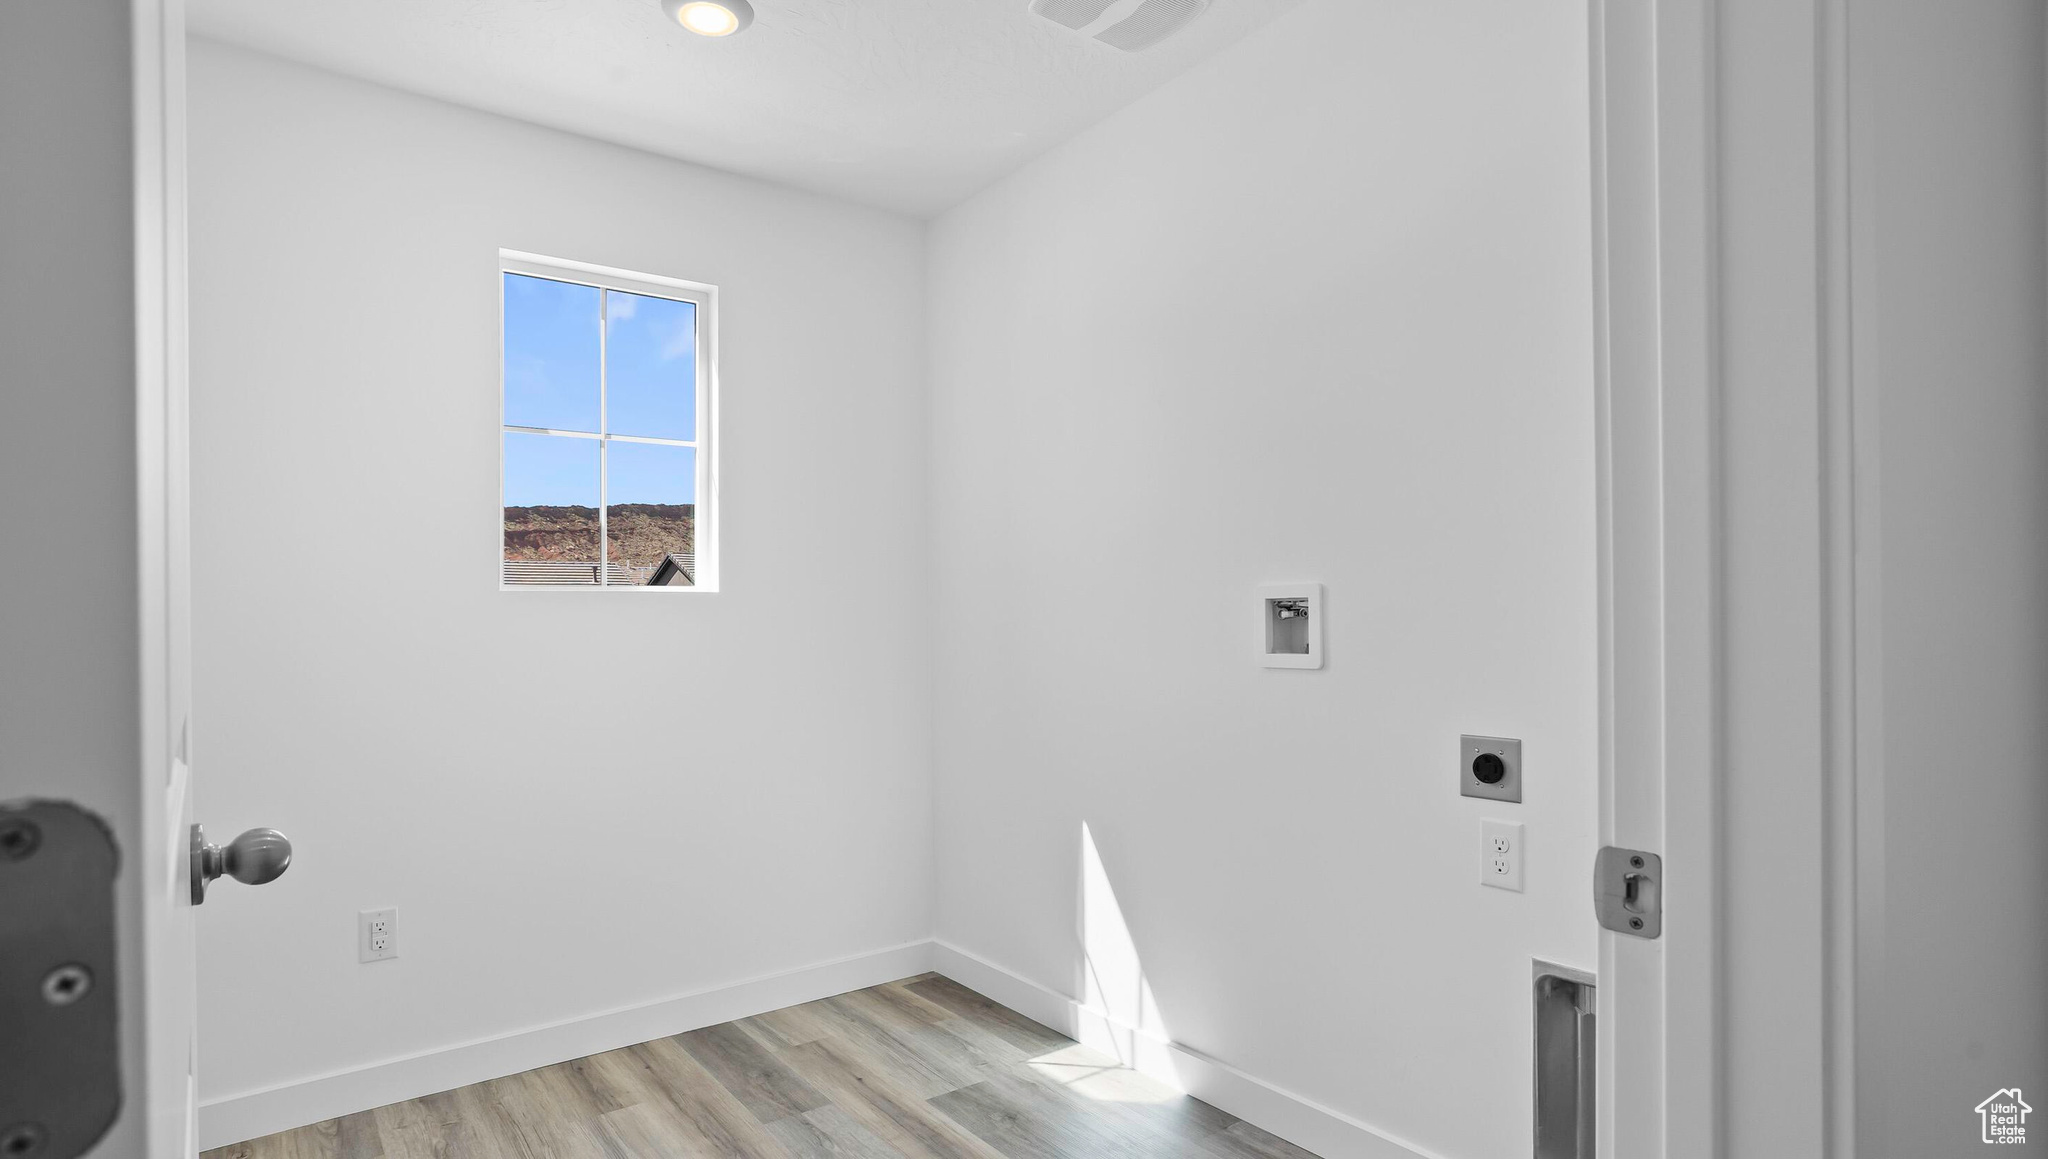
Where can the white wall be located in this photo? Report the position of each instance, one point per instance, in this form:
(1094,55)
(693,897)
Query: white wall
(1951,200)
(1319,310)
(577,802)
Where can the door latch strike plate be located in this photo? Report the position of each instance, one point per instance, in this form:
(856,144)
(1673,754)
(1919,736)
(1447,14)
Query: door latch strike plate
(1628,892)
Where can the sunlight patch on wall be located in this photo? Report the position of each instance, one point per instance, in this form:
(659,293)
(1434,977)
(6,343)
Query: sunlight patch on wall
(1120,1017)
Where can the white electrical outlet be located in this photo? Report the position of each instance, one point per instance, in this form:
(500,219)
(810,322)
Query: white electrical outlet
(1500,854)
(376,935)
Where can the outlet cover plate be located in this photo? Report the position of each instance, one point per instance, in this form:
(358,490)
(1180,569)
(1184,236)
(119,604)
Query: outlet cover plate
(1508,750)
(1500,854)
(368,948)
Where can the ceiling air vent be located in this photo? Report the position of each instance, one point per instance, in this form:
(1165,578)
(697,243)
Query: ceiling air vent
(1132,25)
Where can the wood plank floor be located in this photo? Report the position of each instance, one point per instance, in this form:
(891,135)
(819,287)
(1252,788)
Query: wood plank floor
(922,1068)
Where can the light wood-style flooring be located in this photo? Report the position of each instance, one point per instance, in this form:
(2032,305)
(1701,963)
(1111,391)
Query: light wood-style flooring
(922,1068)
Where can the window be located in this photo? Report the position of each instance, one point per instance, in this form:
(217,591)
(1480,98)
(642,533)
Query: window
(606,477)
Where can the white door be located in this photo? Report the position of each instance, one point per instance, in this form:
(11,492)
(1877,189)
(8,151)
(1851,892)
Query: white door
(94,615)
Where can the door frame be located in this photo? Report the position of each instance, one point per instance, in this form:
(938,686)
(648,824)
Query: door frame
(1655,324)
(165,1093)
(1731,489)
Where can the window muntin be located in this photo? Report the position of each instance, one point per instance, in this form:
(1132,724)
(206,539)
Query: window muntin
(605,477)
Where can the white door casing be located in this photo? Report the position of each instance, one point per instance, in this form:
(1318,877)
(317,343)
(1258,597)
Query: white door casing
(1728,514)
(1654,310)
(163,559)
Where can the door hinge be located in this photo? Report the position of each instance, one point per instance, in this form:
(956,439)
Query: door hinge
(60,1045)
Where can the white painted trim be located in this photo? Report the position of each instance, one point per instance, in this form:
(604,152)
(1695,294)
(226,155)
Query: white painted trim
(1329,1133)
(1657,331)
(606,277)
(1723,136)
(252,1114)
(165,1059)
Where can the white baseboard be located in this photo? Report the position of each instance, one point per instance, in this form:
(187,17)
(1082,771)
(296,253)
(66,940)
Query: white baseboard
(1302,1121)
(252,1114)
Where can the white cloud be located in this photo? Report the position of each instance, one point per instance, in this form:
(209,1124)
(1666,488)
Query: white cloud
(682,340)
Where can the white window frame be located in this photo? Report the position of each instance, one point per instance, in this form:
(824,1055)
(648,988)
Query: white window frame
(705,513)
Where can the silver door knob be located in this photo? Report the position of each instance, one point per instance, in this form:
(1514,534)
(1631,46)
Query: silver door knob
(255,858)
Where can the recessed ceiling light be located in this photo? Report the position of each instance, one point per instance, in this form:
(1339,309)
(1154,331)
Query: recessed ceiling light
(710,17)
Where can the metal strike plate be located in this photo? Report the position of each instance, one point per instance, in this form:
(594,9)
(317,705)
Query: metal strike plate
(1490,767)
(1628,892)
(60,1049)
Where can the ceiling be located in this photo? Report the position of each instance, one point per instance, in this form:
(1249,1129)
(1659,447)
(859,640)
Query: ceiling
(907,104)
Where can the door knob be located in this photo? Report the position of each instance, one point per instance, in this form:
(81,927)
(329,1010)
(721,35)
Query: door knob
(255,858)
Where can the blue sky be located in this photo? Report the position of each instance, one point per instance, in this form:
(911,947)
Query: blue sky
(552,351)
